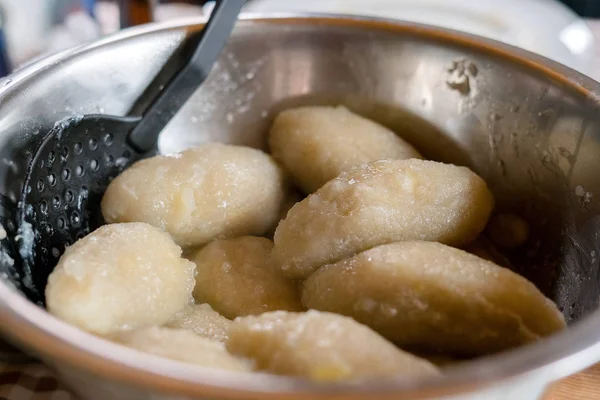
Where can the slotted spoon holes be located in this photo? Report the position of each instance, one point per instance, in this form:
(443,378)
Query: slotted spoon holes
(63,191)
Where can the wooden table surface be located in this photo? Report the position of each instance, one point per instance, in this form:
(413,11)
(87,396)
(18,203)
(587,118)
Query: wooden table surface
(582,386)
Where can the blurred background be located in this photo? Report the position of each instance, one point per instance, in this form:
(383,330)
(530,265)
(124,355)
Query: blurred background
(566,31)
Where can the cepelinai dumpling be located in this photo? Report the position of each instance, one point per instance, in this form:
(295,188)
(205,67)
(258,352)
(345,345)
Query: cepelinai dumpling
(237,277)
(320,346)
(382,202)
(428,296)
(293,197)
(120,276)
(212,191)
(182,345)
(482,247)
(508,231)
(202,320)
(291,200)
(315,144)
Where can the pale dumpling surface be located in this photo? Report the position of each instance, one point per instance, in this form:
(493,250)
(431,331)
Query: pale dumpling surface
(382,202)
(320,346)
(315,144)
(293,197)
(182,345)
(236,277)
(202,320)
(121,276)
(428,296)
(212,191)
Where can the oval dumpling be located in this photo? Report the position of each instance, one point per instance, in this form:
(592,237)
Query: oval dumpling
(237,277)
(120,276)
(508,231)
(182,345)
(320,346)
(202,320)
(378,203)
(212,191)
(316,143)
(427,296)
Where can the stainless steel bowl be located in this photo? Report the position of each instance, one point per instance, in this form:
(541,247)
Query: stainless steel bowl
(531,127)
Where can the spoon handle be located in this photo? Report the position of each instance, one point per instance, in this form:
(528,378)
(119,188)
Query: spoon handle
(192,65)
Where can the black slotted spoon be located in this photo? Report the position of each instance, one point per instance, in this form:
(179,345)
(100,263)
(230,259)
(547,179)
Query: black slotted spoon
(77,159)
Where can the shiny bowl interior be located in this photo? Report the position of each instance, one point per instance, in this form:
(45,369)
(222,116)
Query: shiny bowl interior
(529,126)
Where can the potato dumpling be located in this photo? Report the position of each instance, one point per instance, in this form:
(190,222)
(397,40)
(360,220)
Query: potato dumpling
(482,247)
(291,200)
(182,345)
(320,346)
(440,360)
(212,191)
(428,296)
(508,231)
(293,197)
(382,202)
(236,277)
(120,276)
(315,144)
(202,320)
